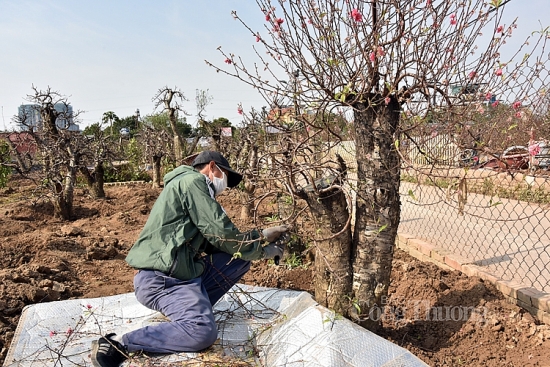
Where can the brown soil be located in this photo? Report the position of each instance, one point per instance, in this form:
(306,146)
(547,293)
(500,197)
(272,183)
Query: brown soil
(45,259)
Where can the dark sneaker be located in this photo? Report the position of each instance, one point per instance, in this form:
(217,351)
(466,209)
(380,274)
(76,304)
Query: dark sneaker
(107,352)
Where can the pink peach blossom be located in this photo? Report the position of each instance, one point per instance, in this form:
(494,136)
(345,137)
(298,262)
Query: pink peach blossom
(488,96)
(355,15)
(494,104)
(516,105)
(498,72)
(534,149)
(228,61)
(372,56)
(387,100)
(472,74)
(267,17)
(500,29)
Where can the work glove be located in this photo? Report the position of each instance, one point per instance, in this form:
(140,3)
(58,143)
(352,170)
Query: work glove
(272,234)
(273,250)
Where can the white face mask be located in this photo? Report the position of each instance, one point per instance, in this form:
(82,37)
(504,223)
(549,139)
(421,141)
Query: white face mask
(220,184)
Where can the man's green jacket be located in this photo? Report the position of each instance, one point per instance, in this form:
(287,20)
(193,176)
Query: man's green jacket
(184,220)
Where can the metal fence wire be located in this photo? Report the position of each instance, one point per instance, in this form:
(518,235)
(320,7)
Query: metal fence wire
(495,217)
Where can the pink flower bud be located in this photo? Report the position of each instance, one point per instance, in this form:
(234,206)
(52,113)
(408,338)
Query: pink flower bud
(387,100)
(498,72)
(228,61)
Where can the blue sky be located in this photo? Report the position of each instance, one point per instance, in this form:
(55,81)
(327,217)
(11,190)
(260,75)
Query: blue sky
(113,55)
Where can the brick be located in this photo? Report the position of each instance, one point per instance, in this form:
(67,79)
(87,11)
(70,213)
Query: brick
(418,244)
(426,248)
(438,254)
(527,307)
(527,295)
(403,238)
(470,270)
(439,264)
(546,318)
(456,261)
(403,247)
(488,276)
(415,253)
(509,287)
(541,301)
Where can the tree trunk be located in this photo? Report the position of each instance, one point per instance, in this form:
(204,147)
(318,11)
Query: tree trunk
(156,170)
(249,187)
(332,258)
(378,206)
(95,181)
(98,190)
(60,207)
(216,138)
(178,140)
(178,153)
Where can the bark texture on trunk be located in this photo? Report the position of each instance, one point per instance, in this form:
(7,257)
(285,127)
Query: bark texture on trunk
(95,180)
(251,152)
(156,170)
(378,206)
(332,256)
(98,190)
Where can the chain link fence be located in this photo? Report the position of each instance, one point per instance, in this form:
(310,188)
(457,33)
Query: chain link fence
(496,217)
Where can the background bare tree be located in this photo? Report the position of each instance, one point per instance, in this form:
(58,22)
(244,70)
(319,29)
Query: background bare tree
(171,101)
(384,63)
(100,149)
(157,144)
(60,150)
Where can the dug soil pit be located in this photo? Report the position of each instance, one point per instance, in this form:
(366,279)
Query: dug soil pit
(445,318)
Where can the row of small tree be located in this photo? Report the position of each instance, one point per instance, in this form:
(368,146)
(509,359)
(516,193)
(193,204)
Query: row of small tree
(52,154)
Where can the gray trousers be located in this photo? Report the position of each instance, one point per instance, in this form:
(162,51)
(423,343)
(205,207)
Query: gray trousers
(187,304)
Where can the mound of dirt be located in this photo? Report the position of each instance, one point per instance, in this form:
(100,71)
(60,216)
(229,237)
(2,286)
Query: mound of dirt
(445,318)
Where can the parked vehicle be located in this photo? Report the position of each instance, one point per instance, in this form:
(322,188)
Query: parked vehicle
(513,158)
(540,155)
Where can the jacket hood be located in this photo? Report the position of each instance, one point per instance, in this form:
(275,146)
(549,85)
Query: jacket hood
(176,172)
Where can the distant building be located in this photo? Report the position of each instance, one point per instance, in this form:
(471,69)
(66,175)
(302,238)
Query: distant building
(22,141)
(30,114)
